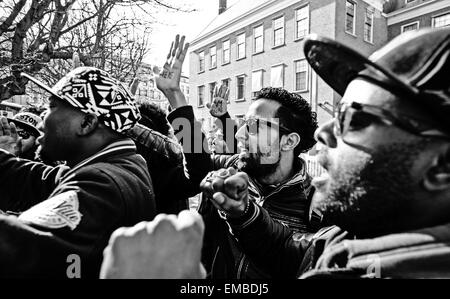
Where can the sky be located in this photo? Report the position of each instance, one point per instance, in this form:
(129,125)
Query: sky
(188,24)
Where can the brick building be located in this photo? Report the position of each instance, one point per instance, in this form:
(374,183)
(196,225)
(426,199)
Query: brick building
(258,43)
(405,15)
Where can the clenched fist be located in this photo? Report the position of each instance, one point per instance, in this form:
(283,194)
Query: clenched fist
(228,191)
(169,247)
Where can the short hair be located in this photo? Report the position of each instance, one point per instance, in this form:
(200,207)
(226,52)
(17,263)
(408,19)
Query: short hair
(294,114)
(155,118)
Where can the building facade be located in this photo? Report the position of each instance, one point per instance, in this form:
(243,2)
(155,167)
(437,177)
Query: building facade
(406,15)
(258,43)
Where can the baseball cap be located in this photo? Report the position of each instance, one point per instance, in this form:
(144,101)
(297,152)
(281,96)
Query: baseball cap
(28,122)
(92,90)
(415,66)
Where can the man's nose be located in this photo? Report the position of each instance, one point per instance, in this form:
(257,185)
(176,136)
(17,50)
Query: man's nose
(325,134)
(241,133)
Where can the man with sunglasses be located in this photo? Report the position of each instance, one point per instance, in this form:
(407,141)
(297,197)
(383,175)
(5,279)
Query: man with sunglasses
(386,193)
(278,127)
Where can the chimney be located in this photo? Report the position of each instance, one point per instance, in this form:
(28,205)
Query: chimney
(222,6)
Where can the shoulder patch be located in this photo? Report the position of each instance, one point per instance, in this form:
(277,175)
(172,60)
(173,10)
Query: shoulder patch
(56,212)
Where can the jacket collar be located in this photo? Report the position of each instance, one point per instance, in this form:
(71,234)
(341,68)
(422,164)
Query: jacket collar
(413,254)
(121,146)
(300,177)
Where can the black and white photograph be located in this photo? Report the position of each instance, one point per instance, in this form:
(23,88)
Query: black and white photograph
(227,147)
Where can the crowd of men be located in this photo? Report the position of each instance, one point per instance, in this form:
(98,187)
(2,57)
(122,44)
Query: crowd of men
(101,179)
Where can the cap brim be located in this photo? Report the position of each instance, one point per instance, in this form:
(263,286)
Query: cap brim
(40,84)
(338,65)
(34,131)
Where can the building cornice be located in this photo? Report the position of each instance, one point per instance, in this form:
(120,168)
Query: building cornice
(240,22)
(408,13)
(251,17)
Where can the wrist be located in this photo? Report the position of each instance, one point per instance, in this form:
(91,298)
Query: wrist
(176,97)
(242,215)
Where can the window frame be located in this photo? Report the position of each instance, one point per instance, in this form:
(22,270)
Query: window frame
(200,70)
(297,22)
(274,30)
(223,51)
(372,11)
(437,16)
(283,74)
(211,66)
(198,96)
(244,43)
(409,24)
(261,71)
(354,18)
(237,88)
(255,51)
(211,91)
(306,75)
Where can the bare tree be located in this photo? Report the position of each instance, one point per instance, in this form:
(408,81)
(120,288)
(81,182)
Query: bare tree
(41,36)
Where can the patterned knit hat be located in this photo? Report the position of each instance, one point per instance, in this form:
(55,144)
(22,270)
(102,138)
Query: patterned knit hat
(92,90)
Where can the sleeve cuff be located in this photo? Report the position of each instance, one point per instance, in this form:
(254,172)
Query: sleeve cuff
(245,220)
(184,111)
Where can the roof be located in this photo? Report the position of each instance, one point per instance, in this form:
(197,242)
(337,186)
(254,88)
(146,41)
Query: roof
(234,12)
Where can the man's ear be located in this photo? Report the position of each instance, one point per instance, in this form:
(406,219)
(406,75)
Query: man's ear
(290,141)
(89,123)
(437,177)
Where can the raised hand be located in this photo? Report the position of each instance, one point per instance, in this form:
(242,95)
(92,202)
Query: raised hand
(9,139)
(165,248)
(228,191)
(169,79)
(218,105)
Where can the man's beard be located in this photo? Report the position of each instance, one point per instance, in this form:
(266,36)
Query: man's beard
(41,156)
(369,195)
(253,166)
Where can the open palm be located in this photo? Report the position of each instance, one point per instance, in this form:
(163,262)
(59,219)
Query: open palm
(169,79)
(9,139)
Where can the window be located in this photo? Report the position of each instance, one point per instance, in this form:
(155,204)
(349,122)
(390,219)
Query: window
(211,90)
(226,52)
(278,31)
(241,46)
(201,96)
(409,27)
(442,20)
(258,35)
(368,25)
(277,76)
(226,82)
(201,62)
(240,84)
(350,9)
(302,22)
(213,55)
(301,75)
(151,83)
(257,82)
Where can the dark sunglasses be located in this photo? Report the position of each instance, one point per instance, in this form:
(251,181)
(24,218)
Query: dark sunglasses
(23,134)
(253,124)
(355,116)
